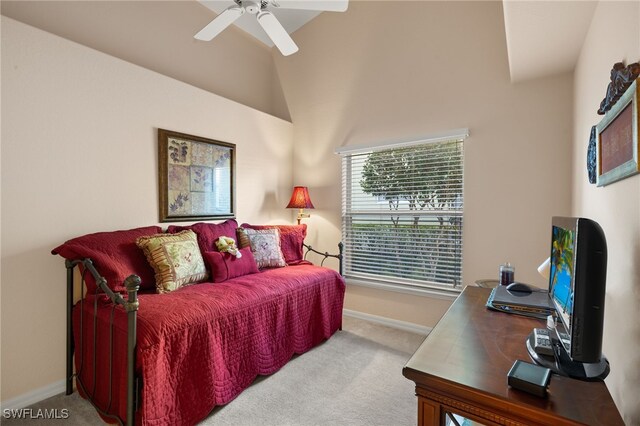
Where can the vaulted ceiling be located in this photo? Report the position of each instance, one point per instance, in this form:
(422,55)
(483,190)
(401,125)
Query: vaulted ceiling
(543,38)
(158,35)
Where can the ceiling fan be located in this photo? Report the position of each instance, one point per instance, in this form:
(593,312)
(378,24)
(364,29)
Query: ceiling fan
(267,20)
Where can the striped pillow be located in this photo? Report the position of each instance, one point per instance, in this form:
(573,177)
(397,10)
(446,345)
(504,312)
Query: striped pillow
(242,238)
(175,258)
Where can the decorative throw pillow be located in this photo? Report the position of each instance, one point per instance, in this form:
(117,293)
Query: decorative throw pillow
(225,266)
(208,233)
(175,258)
(243,238)
(114,255)
(291,239)
(265,246)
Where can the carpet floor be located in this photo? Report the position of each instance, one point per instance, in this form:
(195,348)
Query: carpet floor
(354,378)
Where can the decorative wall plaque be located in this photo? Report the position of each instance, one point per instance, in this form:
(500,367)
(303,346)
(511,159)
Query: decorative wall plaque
(617,139)
(621,78)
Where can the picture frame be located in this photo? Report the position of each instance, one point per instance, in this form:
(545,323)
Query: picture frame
(617,140)
(196,177)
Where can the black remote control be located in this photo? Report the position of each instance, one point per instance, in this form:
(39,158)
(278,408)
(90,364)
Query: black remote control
(542,342)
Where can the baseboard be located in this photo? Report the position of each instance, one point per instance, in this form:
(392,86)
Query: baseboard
(389,322)
(34,396)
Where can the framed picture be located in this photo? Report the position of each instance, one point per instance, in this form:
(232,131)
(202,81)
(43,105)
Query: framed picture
(196,177)
(617,139)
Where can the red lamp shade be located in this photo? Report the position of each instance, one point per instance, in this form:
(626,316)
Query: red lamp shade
(300,199)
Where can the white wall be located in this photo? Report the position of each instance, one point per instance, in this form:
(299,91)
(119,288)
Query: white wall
(614,36)
(79,155)
(439,66)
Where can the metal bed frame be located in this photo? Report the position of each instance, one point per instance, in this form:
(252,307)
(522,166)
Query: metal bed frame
(326,255)
(130,306)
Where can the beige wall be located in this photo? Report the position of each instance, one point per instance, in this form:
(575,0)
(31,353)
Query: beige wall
(354,81)
(399,306)
(357,80)
(614,36)
(79,155)
(234,64)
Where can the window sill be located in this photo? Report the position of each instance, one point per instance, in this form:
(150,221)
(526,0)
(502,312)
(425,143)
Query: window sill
(438,293)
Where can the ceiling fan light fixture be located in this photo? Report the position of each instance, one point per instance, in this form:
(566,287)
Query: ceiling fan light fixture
(277,33)
(269,23)
(252,7)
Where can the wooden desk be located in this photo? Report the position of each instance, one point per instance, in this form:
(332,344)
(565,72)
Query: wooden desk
(462,366)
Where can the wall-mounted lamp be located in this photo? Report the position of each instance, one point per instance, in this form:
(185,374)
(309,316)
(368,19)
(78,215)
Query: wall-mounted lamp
(300,200)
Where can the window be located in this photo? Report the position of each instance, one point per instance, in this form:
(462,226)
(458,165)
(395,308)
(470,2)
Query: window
(402,210)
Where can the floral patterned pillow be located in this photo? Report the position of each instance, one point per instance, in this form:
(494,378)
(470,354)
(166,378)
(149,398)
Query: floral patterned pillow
(175,258)
(265,246)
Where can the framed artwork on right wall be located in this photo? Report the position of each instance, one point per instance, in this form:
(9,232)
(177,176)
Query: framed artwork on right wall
(617,140)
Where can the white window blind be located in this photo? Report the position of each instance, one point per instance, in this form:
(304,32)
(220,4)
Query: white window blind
(402,211)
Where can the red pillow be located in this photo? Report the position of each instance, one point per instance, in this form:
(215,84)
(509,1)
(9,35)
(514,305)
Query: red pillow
(208,233)
(225,266)
(115,256)
(291,239)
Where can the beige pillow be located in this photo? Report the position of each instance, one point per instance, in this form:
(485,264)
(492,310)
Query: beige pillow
(175,258)
(265,246)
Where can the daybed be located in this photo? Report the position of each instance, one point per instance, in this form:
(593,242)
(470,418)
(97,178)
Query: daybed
(170,358)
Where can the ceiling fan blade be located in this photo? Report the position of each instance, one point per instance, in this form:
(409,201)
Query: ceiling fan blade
(325,5)
(277,33)
(219,23)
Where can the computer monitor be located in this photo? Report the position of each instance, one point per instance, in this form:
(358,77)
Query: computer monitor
(577,281)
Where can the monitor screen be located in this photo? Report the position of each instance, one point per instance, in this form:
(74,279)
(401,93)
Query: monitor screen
(561,278)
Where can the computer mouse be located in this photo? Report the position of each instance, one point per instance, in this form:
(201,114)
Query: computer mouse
(520,288)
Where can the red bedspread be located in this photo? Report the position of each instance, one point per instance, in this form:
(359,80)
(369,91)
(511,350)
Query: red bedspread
(200,346)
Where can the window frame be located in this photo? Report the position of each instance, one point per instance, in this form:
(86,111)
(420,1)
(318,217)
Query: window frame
(418,287)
